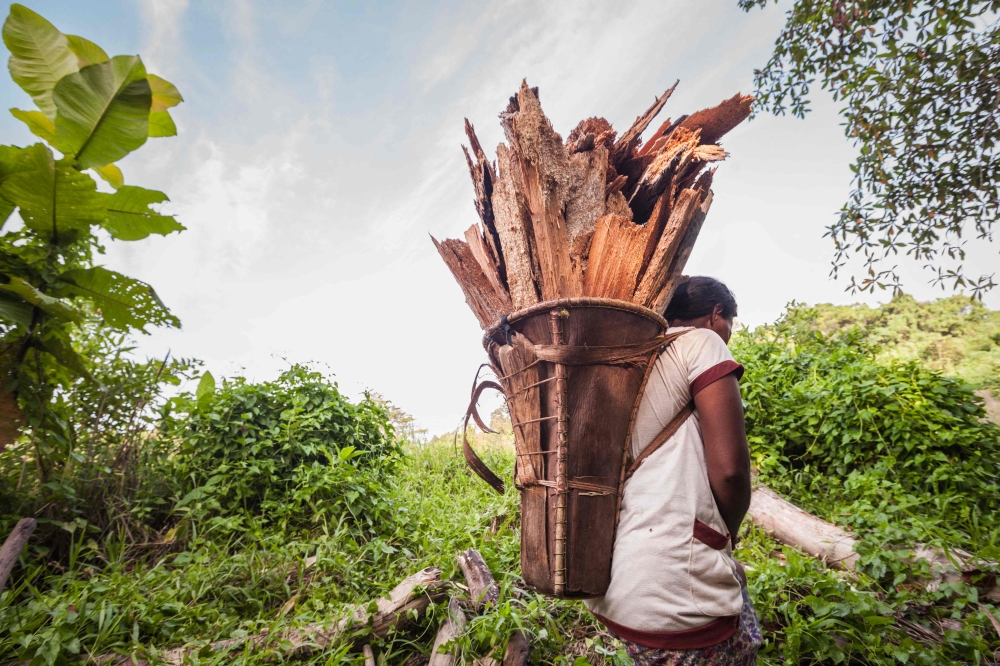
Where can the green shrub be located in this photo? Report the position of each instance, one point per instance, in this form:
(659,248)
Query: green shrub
(878,445)
(292,449)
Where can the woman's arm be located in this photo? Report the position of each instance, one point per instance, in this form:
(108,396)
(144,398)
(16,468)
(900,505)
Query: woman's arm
(720,412)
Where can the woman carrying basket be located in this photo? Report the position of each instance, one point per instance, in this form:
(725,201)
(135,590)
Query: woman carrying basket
(677,596)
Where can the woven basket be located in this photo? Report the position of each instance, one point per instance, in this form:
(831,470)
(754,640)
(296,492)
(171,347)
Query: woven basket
(573,371)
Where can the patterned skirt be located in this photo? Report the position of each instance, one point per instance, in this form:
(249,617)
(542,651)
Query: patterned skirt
(740,649)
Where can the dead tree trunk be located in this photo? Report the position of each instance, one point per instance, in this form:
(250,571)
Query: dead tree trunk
(12,548)
(790,525)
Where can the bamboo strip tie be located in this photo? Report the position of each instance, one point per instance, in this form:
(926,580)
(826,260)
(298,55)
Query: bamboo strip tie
(562,446)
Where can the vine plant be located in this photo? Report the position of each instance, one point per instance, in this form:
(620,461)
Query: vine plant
(92,110)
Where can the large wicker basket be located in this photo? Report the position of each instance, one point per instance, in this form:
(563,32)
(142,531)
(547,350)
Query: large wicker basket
(573,371)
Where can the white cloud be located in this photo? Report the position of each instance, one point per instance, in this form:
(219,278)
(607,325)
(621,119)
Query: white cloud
(163,23)
(308,221)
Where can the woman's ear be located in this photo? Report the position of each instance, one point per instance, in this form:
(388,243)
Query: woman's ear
(717,312)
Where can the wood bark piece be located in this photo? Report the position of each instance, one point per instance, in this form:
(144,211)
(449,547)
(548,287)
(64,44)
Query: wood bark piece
(518,650)
(414,593)
(513,224)
(479,246)
(585,197)
(369,655)
(451,628)
(657,273)
(676,271)
(790,525)
(626,145)
(718,120)
(482,586)
(12,547)
(483,178)
(483,299)
(524,400)
(544,171)
(615,258)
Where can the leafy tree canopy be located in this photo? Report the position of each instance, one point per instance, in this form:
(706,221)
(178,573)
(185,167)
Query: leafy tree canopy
(920,93)
(92,110)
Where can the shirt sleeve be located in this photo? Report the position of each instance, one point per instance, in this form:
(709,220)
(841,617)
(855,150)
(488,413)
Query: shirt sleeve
(707,359)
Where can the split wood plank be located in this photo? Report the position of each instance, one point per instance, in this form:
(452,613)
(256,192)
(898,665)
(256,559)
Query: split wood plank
(518,650)
(615,258)
(12,547)
(483,299)
(542,159)
(628,141)
(524,400)
(484,257)
(414,593)
(451,628)
(483,178)
(718,120)
(657,273)
(513,224)
(682,255)
(482,586)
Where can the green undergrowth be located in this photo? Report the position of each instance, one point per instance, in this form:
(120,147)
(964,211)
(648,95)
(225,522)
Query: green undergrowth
(260,507)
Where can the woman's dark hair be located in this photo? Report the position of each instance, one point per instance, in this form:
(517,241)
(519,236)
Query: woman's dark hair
(698,297)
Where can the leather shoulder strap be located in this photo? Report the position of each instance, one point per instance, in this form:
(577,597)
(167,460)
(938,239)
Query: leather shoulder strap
(669,431)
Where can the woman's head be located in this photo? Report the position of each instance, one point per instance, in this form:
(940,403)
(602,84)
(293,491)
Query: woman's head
(703,302)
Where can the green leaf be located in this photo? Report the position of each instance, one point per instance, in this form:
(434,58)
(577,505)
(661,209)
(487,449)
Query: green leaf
(62,351)
(39,55)
(111,175)
(14,310)
(56,200)
(86,51)
(206,387)
(161,124)
(165,94)
(34,296)
(38,123)
(130,217)
(6,208)
(123,302)
(103,111)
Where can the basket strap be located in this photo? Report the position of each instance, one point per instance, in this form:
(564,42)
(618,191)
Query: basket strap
(476,463)
(661,439)
(581,355)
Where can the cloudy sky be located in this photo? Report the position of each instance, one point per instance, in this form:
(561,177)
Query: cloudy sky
(319,146)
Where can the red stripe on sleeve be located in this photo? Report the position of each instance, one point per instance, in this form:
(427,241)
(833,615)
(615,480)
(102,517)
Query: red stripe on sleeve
(714,374)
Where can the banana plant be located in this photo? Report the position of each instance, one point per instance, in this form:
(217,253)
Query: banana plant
(91,111)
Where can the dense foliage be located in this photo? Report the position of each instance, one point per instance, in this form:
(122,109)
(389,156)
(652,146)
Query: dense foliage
(244,483)
(93,110)
(920,99)
(956,336)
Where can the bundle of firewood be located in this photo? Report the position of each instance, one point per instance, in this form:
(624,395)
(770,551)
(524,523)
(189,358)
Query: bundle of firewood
(597,215)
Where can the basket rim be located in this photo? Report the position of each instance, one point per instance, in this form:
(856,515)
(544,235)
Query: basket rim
(577,301)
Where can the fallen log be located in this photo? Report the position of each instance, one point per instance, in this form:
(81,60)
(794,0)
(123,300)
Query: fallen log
(451,628)
(835,546)
(518,650)
(12,548)
(482,586)
(414,593)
